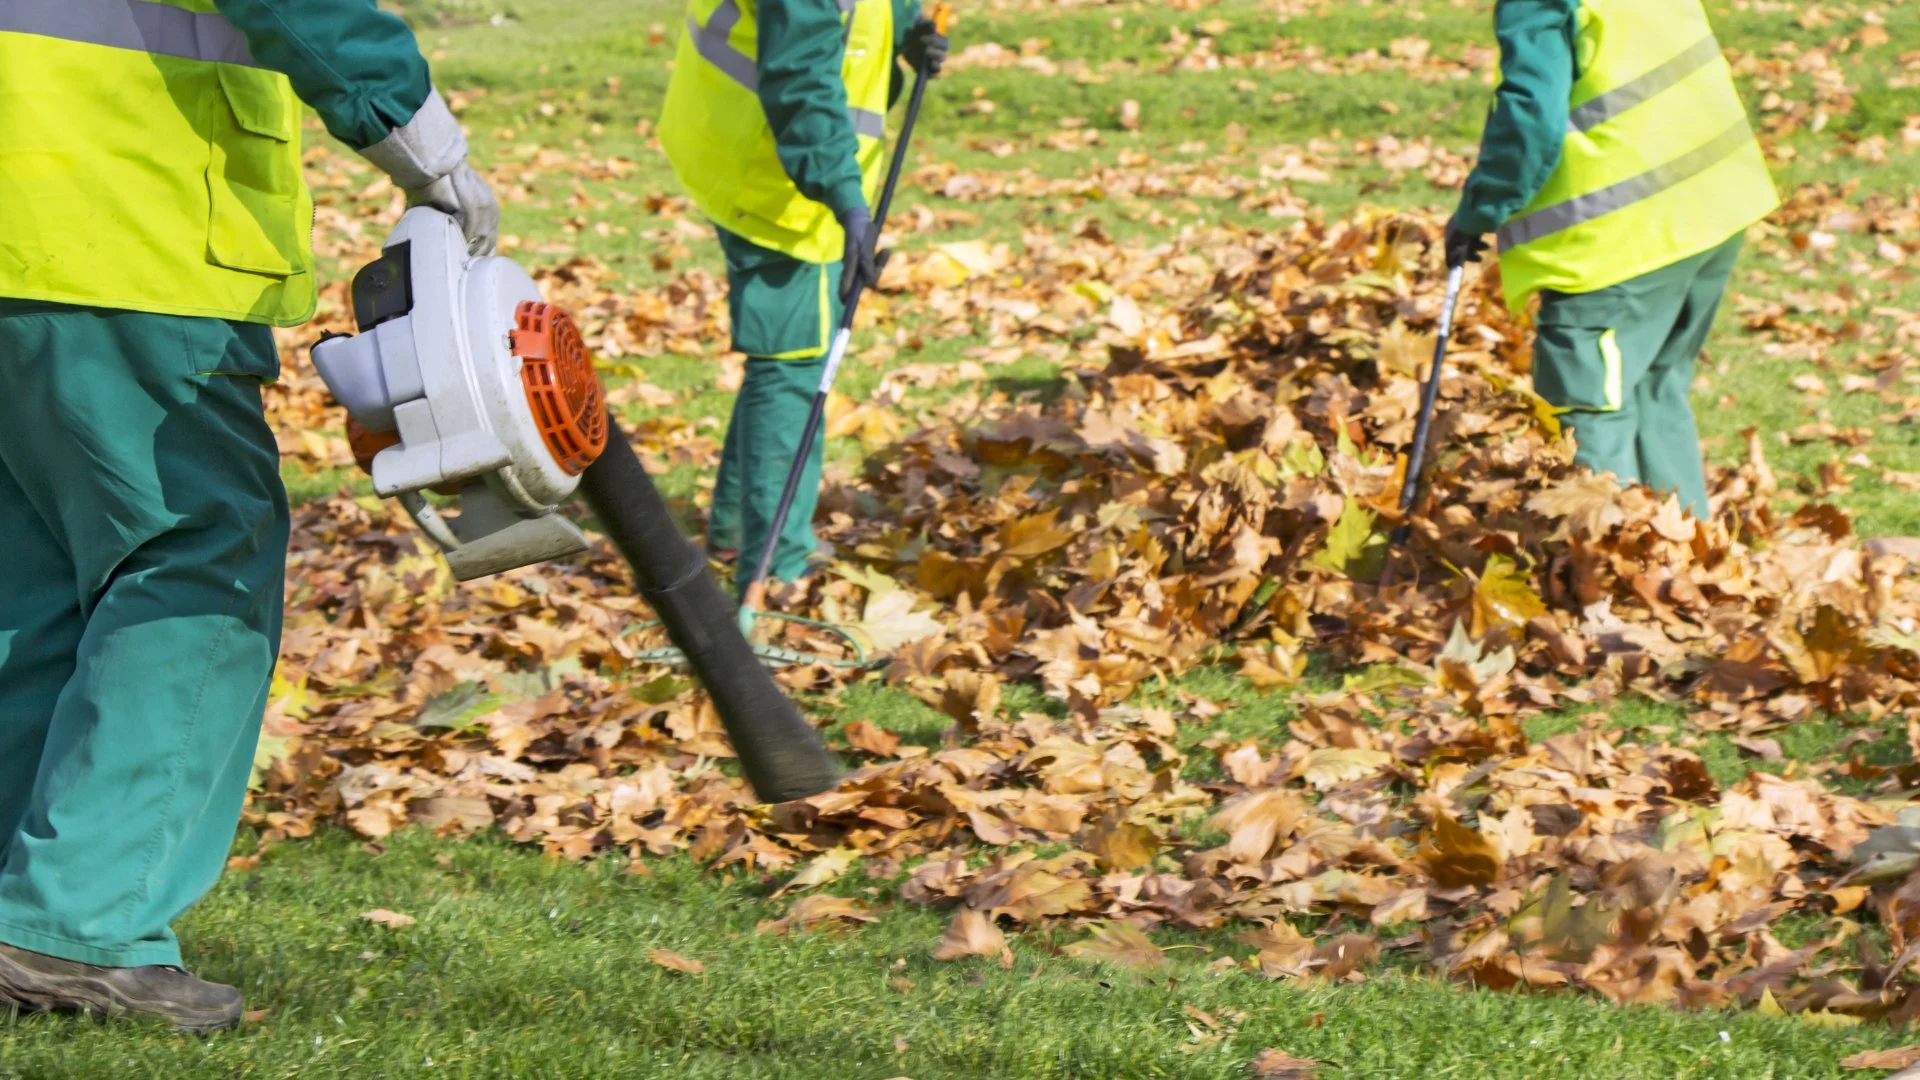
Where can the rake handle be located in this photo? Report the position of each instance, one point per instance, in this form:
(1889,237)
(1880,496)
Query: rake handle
(1429,402)
(754,594)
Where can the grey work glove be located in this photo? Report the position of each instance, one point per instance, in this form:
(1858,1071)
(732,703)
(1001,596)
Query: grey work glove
(464,194)
(858,265)
(926,47)
(427,159)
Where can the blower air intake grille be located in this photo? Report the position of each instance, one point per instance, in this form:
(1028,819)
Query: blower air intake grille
(569,405)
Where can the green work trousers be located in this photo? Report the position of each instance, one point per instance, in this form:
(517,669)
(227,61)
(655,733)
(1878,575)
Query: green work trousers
(144,529)
(784,312)
(1618,363)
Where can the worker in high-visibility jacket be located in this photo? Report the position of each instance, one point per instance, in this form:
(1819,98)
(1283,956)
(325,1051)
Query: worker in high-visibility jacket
(1620,174)
(154,224)
(775,121)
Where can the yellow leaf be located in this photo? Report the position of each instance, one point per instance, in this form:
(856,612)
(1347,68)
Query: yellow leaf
(1123,845)
(821,869)
(1352,547)
(1504,596)
(1036,534)
(1118,943)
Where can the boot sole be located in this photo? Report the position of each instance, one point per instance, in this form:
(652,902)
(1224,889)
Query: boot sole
(38,992)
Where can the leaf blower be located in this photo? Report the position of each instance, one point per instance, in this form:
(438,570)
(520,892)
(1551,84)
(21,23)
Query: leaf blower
(463,382)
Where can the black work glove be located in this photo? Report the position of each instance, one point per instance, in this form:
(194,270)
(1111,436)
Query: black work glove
(926,48)
(1462,247)
(857,266)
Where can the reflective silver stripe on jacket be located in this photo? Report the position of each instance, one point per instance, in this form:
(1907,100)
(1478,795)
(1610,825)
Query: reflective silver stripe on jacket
(1584,208)
(130,24)
(1638,91)
(710,41)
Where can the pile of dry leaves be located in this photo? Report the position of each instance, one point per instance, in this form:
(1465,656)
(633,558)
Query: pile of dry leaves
(1214,485)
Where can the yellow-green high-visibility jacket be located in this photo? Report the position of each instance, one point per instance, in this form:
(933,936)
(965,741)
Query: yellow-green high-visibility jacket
(716,133)
(1657,161)
(150,149)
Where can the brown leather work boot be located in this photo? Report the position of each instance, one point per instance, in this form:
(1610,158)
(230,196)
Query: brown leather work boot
(40,983)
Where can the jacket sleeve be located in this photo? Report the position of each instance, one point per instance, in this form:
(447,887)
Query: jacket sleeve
(1528,123)
(358,66)
(802,44)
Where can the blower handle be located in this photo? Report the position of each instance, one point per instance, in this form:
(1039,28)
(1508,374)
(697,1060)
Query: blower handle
(783,756)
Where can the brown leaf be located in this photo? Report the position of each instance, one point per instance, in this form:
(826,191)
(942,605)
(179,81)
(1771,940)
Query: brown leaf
(1346,954)
(673,961)
(1271,1064)
(814,911)
(877,741)
(1883,1059)
(970,697)
(1590,503)
(972,933)
(1456,856)
(1284,953)
(1255,822)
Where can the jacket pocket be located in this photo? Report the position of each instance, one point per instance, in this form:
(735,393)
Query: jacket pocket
(253,177)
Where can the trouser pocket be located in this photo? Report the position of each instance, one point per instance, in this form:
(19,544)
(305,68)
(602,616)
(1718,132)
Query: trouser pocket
(1579,368)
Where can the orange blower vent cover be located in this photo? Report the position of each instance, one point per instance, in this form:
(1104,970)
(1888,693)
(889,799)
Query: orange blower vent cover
(569,405)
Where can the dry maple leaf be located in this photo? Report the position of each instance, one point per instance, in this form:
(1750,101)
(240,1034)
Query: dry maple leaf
(1590,503)
(1899,1058)
(1284,953)
(822,868)
(1272,1064)
(874,740)
(1253,823)
(673,961)
(388,918)
(892,619)
(972,933)
(1122,845)
(1228,459)
(1456,856)
(1118,943)
(814,911)
(1332,766)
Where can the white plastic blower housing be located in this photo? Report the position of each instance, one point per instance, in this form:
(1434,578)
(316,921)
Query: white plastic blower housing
(462,380)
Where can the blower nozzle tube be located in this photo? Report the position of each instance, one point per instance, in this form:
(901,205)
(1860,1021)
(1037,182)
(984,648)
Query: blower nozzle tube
(783,756)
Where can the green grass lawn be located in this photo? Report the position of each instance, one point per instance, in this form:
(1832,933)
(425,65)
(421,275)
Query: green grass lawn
(523,966)
(520,966)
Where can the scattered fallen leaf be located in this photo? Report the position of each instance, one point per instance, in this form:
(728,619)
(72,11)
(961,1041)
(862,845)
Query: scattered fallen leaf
(972,933)
(673,961)
(1271,1064)
(387,918)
